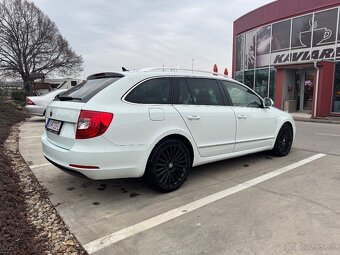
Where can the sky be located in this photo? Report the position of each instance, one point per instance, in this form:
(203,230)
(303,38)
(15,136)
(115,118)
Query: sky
(149,33)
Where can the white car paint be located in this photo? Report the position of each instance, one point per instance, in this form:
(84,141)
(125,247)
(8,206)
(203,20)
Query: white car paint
(41,102)
(217,141)
(214,132)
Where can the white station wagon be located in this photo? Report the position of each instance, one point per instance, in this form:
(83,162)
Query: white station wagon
(159,124)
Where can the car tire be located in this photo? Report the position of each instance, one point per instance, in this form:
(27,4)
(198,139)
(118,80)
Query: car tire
(168,165)
(284,141)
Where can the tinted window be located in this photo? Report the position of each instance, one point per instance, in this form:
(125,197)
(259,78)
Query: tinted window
(87,89)
(204,91)
(155,91)
(182,94)
(241,96)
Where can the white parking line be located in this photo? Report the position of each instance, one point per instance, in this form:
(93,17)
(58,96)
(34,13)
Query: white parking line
(40,165)
(327,134)
(122,234)
(33,136)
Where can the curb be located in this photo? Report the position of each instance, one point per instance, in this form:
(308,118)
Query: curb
(317,120)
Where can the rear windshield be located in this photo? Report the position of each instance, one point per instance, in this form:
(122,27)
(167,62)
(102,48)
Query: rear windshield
(84,91)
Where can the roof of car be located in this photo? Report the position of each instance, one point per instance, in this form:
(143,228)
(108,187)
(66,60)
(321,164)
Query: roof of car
(145,73)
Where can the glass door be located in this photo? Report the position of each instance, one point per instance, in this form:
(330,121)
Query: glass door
(336,91)
(308,88)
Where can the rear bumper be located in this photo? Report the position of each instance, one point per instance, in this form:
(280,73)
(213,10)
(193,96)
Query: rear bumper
(68,171)
(113,161)
(35,109)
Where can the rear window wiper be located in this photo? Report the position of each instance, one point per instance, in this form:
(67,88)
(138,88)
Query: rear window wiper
(68,98)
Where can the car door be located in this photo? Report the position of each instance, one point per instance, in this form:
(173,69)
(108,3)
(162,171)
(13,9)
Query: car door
(255,124)
(200,103)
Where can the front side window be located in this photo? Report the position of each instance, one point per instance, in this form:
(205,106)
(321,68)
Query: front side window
(241,96)
(204,91)
(155,91)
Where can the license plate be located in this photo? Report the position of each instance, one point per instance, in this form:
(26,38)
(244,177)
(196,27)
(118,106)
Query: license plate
(54,126)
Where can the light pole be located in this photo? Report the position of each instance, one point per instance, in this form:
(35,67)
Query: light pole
(192,64)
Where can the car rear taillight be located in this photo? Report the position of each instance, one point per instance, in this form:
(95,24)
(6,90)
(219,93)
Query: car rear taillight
(29,101)
(91,124)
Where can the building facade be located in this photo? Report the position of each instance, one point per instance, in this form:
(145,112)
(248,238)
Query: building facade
(289,50)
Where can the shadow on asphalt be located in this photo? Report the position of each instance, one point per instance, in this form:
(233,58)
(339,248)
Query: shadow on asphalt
(113,191)
(37,119)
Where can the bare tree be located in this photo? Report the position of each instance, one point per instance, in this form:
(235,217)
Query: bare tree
(31,43)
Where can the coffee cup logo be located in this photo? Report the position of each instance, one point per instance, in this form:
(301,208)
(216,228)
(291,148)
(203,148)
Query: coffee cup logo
(319,34)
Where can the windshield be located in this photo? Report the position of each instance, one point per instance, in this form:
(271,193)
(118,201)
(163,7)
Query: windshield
(84,91)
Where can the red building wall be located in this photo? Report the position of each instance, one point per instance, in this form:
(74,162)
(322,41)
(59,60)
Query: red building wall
(278,88)
(325,89)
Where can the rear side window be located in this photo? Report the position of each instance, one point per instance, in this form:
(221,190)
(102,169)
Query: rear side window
(205,91)
(155,91)
(84,91)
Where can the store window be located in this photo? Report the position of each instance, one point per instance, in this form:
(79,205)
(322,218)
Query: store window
(263,38)
(261,82)
(250,50)
(324,27)
(239,53)
(239,76)
(336,93)
(249,78)
(281,36)
(302,32)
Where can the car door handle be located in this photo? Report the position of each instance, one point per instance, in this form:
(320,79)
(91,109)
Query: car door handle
(241,117)
(193,117)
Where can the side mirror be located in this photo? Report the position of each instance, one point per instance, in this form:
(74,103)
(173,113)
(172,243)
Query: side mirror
(267,102)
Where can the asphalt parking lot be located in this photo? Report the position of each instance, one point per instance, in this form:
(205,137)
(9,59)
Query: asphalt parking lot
(257,204)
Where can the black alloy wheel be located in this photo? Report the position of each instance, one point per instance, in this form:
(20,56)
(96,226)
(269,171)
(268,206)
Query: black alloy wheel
(168,165)
(284,141)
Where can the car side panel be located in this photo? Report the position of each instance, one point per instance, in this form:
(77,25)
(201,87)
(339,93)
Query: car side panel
(255,128)
(214,130)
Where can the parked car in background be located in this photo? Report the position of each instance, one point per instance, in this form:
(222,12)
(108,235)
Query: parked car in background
(159,124)
(36,105)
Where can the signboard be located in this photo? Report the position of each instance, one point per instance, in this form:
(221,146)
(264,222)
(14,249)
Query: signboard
(297,40)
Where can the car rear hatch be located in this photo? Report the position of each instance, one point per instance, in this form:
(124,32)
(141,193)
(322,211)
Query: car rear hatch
(63,113)
(61,123)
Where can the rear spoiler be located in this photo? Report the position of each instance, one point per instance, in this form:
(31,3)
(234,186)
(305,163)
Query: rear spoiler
(105,75)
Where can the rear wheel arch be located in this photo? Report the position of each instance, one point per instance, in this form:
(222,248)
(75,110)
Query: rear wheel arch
(179,137)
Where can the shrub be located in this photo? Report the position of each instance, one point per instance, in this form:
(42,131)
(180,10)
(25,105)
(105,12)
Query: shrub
(19,95)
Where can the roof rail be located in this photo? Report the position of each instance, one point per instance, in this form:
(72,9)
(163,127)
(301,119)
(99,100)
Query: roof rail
(172,69)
